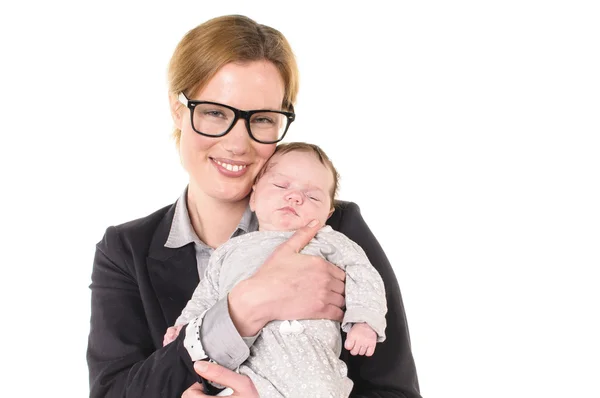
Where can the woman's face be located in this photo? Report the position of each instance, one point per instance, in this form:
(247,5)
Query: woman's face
(224,168)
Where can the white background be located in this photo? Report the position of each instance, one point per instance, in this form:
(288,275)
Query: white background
(467,131)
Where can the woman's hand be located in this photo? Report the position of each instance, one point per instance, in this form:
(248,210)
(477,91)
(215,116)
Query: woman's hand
(288,285)
(241,385)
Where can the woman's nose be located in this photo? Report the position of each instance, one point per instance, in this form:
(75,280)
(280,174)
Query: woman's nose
(237,141)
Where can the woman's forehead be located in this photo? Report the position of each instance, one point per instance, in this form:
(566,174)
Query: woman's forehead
(251,85)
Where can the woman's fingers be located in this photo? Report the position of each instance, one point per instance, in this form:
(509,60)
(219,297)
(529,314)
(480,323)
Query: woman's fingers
(333,313)
(337,286)
(240,384)
(335,271)
(335,299)
(195,391)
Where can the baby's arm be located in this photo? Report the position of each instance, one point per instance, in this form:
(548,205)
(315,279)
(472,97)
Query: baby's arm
(366,304)
(205,296)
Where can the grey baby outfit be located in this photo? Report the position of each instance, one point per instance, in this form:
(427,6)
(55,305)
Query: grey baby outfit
(297,358)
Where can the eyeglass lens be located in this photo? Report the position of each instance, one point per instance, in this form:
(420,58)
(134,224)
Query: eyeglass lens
(213,119)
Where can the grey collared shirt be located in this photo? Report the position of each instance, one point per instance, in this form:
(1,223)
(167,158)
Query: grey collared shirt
(220,339)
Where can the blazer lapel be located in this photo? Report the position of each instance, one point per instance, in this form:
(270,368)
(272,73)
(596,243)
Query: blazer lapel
(173,273)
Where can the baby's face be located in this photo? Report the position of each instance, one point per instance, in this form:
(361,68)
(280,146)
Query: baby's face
(294,190)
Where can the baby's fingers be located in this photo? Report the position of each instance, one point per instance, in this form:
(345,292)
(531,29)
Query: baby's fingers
(349,344)
(370,350)
(362,350)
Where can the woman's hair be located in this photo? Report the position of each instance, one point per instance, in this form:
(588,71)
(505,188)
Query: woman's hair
(222,40)
(320,154)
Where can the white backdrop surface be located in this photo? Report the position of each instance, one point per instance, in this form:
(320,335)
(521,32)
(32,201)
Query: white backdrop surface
(467,131)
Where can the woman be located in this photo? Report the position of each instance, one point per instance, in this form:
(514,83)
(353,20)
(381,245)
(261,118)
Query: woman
(146,270)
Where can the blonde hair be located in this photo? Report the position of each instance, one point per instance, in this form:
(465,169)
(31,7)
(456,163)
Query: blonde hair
(320,154)
(222,40)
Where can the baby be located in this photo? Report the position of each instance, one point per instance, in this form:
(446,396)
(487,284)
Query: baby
(296,358)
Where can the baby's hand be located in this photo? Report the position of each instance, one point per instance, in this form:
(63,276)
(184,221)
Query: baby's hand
(361,340)
(171,334)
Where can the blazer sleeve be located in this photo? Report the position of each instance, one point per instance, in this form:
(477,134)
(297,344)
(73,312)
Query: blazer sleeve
(122,358)
(391,371)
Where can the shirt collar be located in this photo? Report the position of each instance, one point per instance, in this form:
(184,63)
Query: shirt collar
(182,232)
(248,223)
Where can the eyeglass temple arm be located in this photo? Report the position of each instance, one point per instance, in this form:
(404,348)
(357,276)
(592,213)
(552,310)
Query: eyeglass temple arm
(183,99)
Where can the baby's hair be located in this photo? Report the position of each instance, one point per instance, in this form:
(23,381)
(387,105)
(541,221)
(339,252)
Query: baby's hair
(288,147)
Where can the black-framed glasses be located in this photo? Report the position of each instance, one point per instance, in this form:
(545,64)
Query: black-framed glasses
(212,119)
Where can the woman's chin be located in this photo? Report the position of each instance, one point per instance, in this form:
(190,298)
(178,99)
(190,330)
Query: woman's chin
(232,194)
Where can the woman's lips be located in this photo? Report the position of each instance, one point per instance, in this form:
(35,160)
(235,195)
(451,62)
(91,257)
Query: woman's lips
(230,168)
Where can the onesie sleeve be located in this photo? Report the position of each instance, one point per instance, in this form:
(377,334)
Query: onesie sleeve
(205,296)
(365,292)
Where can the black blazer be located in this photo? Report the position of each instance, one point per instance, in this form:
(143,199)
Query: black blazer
(139,288)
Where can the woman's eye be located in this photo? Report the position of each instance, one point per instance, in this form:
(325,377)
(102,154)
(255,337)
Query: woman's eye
(215,113)
(262,120)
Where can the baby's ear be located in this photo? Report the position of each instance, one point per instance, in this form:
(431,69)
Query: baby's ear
(331,212)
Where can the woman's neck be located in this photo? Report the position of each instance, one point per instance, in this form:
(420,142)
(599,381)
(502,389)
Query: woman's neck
(213,220)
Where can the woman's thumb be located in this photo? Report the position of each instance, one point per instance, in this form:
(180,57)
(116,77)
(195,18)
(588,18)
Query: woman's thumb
(303,235)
